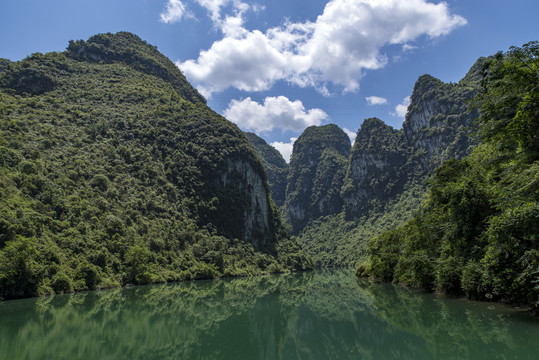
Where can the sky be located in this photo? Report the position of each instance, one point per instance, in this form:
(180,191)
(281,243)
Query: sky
(277,67)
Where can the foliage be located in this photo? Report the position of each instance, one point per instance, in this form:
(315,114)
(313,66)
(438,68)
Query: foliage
(334,241)
(476,233)
(379,168)
(316,174)
(509,100)
(129,49)
(113,175)
(276,167)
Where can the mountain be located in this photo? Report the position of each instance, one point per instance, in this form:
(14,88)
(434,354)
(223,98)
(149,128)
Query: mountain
(114,171)
(338,198)
(316,174)
(276,167)
(378,167)
(476,231)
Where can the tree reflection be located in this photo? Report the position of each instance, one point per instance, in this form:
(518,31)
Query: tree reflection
(311,315)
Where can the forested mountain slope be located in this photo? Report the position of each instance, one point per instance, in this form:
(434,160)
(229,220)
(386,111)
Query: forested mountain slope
(114,171)
(382,180)
(477,232)
(316,174)
(276,167)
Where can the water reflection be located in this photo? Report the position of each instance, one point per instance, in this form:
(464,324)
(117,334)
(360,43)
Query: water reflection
(457,328)
(312,315)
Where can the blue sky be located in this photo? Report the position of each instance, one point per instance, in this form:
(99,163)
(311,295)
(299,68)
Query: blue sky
(276,67)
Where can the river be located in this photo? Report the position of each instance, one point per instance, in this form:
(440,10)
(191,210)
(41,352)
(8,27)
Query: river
(326,314)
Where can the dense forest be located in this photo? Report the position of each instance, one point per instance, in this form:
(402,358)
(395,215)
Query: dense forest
(113,171)
(477,231)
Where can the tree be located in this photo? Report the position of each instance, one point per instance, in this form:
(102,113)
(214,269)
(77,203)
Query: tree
(509,100)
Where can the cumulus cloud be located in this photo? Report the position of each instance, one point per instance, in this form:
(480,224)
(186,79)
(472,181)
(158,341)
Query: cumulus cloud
(376,100)
(250,64)
(276,112)
(402,108)
(345,40)
(174,11)
(351,134)
(285,148)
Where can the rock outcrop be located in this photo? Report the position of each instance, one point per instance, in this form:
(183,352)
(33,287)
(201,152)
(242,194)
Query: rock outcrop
(276,167)
(378,167)
(316,174)
(254,218)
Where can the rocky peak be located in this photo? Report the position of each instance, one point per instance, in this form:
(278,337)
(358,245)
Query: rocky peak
(316,173)
(377,166)
(276,167)
(437,115)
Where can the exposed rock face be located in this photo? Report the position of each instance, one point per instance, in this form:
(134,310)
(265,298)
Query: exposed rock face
(276,167)
(323,176)
(243,178)
(385,160)
(438,117)
(316,174)
(377,168)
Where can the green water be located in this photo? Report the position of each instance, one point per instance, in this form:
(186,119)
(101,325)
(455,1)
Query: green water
(313,315)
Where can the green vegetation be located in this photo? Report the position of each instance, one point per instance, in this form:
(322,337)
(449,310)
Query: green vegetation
(476,233)
(316,174)
(114,171)
(380,166)
(385,172)
(276,167)
(334,241)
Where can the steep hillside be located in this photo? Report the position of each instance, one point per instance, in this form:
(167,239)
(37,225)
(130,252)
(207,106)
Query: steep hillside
(477,231)
(276,167)
(379,168)
(386,172)
(114,171)
(316,174)
(439,117)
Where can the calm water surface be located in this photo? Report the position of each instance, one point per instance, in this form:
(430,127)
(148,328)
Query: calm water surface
(313,315)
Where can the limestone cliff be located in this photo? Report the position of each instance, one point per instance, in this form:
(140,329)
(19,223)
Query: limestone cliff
(316,174)
(438,118)
(246,181)
(383,161)
(378,167)
(114,171)
(276,167)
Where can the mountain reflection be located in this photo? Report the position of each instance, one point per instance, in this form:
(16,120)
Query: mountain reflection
(311,315)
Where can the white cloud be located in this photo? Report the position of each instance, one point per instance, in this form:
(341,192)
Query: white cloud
(231,24)
(376,100)
(276,112)
(174,11)
(345,40)
(249,64)
(285,148)
(408,47)
(402,108)
(351,134)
